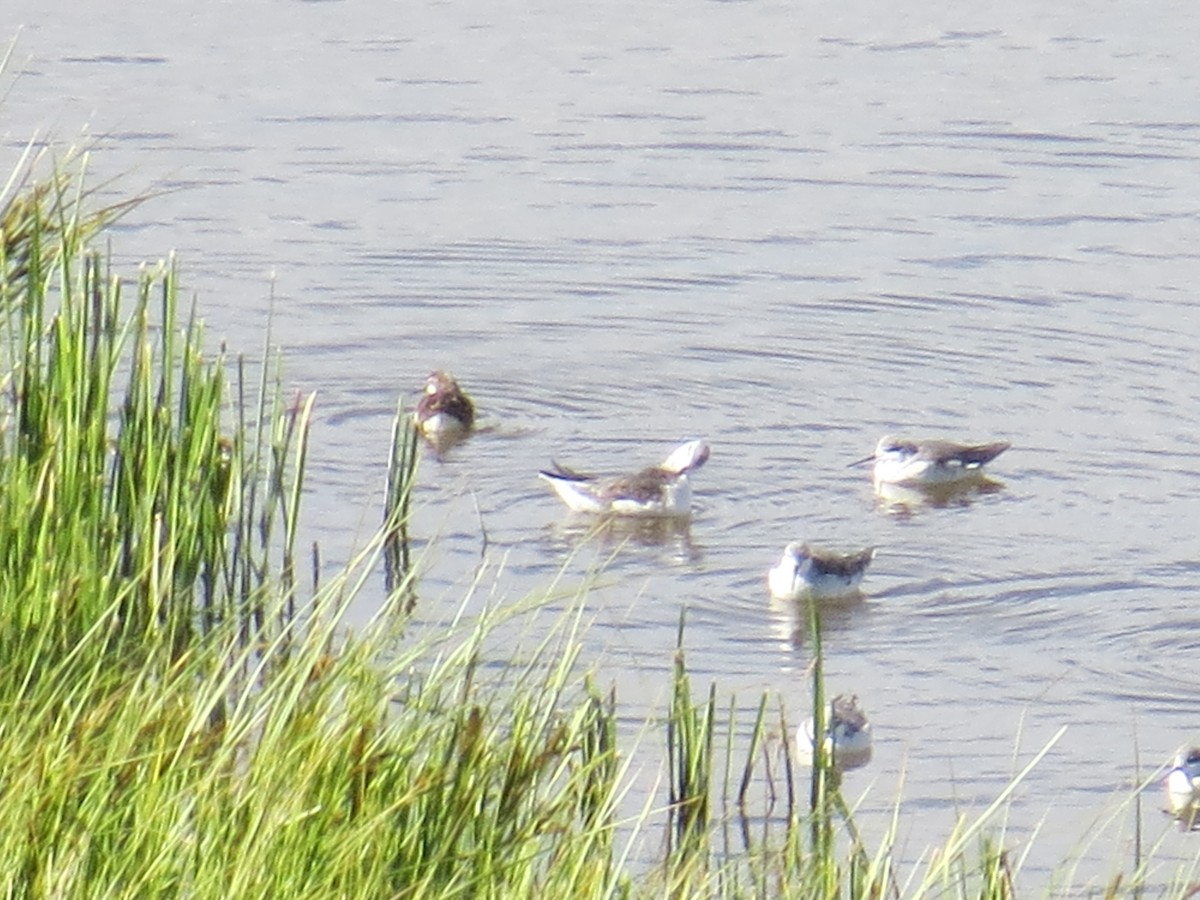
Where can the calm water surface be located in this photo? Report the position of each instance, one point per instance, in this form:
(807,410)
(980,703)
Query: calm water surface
(788,229)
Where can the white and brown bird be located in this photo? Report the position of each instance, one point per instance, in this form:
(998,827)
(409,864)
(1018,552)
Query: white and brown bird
(929,463)
(658,491)
(847,735)
(817,574)
(1182,786)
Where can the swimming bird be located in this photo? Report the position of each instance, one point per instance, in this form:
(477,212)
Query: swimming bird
(929,463)
(847,735)
(444,410)
(804,572)
(1183,785)
(662,490)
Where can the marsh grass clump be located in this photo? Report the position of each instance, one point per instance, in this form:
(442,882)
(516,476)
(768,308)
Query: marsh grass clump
(127,503)
(177,716)
(48,214)
(343,767)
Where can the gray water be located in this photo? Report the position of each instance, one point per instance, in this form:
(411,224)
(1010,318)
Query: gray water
(785,228)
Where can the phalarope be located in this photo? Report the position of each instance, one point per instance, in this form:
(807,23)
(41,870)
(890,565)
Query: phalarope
(847,735)
(804,572)
(444,410)
(1183,785)
(929,463)
(661,490)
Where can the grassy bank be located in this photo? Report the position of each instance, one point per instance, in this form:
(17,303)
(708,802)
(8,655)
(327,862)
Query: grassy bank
(183,714)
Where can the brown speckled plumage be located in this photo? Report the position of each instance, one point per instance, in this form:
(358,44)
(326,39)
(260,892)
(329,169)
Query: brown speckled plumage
(443,396)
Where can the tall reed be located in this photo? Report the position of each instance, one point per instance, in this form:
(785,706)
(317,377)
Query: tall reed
(147,519)
(690,730)
(397,504)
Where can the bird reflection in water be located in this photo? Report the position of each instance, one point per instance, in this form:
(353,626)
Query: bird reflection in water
(905,500)
(790,618)
(612,532)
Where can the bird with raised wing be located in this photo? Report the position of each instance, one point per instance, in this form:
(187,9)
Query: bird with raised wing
(663,490)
